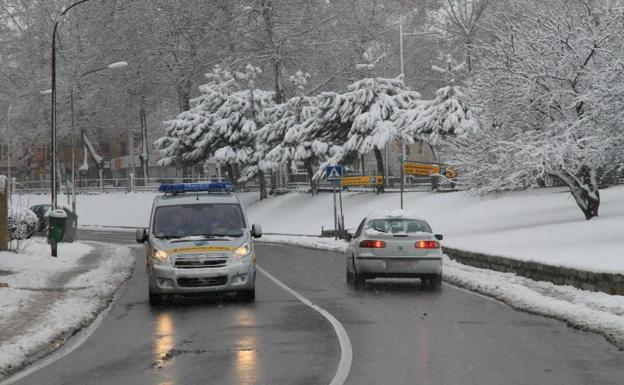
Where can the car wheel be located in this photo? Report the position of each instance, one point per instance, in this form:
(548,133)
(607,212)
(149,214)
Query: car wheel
(436,282)
(358,278)
(155,299)
(349,273)
(432,282)
(247,295)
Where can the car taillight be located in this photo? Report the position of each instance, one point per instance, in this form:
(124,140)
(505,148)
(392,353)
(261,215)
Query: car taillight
(427,244)
(370,244)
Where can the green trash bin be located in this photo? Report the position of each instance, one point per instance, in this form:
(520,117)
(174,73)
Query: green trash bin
(57,221)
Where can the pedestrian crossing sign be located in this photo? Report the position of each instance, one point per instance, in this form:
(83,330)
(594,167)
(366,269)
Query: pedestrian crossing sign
(333,173)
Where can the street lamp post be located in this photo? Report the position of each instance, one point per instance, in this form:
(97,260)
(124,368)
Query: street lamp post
(113,66)
(53,104)
(403,152)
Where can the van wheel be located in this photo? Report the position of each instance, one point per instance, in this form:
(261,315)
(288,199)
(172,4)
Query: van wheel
(247,295)
(155,299)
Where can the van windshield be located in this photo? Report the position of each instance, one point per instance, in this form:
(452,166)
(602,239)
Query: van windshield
(199,220)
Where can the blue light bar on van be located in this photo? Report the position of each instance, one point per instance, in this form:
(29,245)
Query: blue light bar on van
(178,188)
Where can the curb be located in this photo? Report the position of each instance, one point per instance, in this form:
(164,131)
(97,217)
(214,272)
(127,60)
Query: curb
(584,280)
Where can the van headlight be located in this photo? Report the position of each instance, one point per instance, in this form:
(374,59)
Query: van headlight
(242,251)
(160,257)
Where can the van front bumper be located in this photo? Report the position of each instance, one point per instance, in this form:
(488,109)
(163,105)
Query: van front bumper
(235,276)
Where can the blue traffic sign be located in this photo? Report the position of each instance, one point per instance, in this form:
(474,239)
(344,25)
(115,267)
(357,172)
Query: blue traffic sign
(333,173)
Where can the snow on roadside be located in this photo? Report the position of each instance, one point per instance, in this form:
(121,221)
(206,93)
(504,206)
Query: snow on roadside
(60,311)
(593,311)
(308,242)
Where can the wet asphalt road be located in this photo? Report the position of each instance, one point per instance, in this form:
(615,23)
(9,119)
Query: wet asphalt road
(400,333)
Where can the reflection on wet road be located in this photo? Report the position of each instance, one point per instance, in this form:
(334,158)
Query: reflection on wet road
(163,338)
(400,334)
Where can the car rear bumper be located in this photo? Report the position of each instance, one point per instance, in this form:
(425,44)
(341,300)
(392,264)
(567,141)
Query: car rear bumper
(400,266)
(166,279)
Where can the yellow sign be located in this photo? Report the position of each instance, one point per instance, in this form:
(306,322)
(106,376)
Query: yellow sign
(420,168)
(200,249)
(428,169)
(361,181)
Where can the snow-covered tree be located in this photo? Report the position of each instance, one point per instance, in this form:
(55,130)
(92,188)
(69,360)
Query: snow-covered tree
(550,85)
(360,118)
(293,123)
(185,140)
(232,134)
(461,21)
(448,114)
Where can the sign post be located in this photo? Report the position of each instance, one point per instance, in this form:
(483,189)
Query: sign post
(334,174)
(402,161)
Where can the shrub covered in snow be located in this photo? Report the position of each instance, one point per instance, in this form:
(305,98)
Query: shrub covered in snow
(22,224)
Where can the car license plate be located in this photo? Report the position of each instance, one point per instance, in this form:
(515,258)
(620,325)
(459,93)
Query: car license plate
(401,265)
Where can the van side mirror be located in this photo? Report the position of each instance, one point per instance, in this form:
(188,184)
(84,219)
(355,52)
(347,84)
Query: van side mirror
(256,230)
(141,235)
(439,237)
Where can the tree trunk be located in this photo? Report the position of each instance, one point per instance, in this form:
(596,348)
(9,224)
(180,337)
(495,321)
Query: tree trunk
(362,164)
(584,190)
(310,172)
(184,95)
(273,183)
(269,26)
(262,183)
(230,171)
(380,168)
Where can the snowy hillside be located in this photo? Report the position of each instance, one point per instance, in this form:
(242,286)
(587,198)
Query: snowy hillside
(541,225)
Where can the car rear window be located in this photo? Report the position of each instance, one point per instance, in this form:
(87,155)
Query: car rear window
(223,219)
(398,225)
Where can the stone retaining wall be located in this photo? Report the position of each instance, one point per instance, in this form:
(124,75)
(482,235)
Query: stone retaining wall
(604,282)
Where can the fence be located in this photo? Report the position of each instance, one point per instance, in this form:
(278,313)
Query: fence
(294,182)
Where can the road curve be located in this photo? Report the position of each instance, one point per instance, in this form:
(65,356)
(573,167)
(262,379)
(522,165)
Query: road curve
(400,334)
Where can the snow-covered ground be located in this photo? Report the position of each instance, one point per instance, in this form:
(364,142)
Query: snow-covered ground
(597,312)
(541,225)
(114,209)
(43,300)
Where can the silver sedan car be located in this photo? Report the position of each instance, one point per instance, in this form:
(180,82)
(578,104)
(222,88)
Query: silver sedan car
(394,245)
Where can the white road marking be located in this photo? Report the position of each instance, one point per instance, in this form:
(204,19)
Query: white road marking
(346,356)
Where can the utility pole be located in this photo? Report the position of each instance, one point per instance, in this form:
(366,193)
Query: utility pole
(144,147)
(131,160)
(4,214)
(9,151)
(402,140)
(73,152)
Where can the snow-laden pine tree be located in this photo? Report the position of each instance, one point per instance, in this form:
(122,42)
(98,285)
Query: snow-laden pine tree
(446,115)
(232,134)
(549,83)
(360,118)
(185,140)
(291,122)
